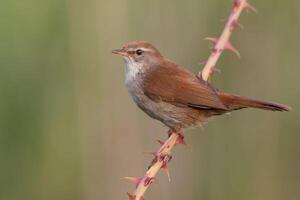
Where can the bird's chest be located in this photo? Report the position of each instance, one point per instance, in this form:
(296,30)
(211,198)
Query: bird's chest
(158,110)
(134,84)
(135,89)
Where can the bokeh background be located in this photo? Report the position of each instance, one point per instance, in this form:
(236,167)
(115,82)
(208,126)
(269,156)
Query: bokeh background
(69,130)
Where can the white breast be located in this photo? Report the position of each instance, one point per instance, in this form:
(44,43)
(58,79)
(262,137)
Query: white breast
(132,70)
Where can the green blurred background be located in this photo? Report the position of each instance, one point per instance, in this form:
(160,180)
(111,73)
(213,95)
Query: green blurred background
(69,130)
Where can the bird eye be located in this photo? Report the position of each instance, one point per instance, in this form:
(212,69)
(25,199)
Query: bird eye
(139,52)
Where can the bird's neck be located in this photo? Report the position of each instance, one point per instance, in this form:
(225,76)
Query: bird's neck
(133,71)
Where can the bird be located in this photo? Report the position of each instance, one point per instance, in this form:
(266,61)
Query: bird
(175,96)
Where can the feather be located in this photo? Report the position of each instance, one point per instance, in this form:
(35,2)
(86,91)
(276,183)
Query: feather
(171,83)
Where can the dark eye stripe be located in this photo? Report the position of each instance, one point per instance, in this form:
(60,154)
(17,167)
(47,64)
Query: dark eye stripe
(131,52)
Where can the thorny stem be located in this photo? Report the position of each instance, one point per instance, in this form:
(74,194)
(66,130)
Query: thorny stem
(223,42)
(163,155)
(160,161)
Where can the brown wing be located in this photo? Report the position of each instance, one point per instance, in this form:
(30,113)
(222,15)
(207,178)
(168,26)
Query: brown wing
(180,87)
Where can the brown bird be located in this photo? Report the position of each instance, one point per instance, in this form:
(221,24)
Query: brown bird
(172,94)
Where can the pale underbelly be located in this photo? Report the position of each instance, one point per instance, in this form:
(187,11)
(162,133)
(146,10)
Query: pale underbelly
(172,116)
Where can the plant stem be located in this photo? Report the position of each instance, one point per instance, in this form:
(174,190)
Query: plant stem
(223,42)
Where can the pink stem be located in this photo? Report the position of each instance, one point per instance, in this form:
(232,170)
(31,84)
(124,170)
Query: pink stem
(162,157)
(161,160)
(223,42)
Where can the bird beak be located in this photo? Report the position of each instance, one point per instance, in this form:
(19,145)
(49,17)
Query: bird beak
(120,52)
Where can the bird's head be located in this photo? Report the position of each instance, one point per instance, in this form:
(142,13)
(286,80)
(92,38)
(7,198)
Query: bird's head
(139,53)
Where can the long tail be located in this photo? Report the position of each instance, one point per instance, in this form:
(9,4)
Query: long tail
(235,102)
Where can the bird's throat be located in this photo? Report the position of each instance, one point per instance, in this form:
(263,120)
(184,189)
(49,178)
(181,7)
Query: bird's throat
(133,70)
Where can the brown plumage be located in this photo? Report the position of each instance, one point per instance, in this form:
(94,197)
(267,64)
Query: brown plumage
(172,94)
(182,88)
(236,102)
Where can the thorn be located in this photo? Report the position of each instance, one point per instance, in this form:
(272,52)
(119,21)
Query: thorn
(136,181)
(213,40)
(131,197)
(180,139)
(160,142)
(215,69)
(230,47)
(236,3)
(166,159)
(149,180)
(166,170)
(249,7)
(235,23)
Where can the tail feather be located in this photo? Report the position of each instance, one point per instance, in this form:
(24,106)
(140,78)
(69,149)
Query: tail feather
(235,102)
